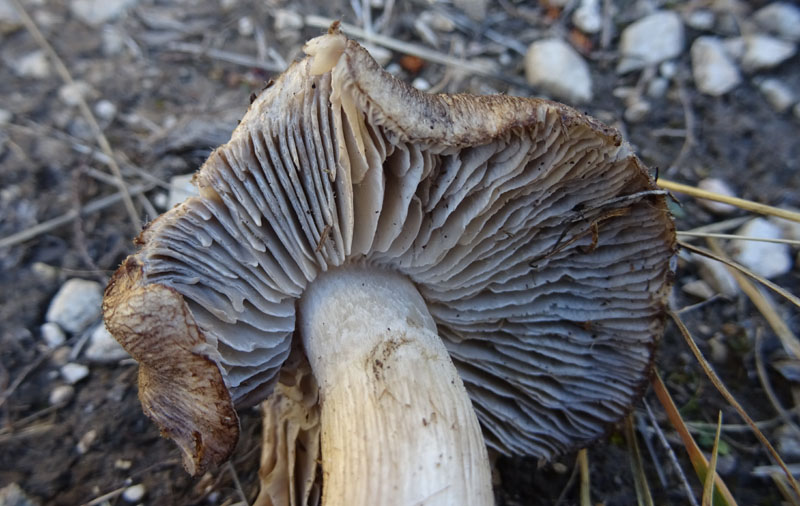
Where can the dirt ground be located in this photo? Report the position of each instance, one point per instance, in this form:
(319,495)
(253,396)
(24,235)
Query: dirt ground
(173,101)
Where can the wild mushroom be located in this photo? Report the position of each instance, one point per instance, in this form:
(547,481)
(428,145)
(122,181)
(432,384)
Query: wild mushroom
(446,260)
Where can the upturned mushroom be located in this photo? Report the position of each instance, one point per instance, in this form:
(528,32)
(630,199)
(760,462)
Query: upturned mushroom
(461,272)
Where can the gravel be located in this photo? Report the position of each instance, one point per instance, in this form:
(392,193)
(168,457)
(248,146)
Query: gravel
(556,68)
(76,305)
(651,40)
(766,259)
(713,70)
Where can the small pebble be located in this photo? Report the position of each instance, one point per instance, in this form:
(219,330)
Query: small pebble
(86,441)
(98,12)
(287,20)
(72,93)
(555,67)
(701,19)
(61,394)
(587,17)
(560,468)
(122,464)
(717,276)
(668,69)
(245,26)
(73,373)
(698,288)
(134,493)
(719,351)
(657,87)
(716,186)
(781,19)
(421,84)
(764,52)
(714,72)
(76,305)
(778,94)
(105,110)
(180,189)
(33,65)
(53,335)
(637,111)
(103,348)
(767,259)
(650,40)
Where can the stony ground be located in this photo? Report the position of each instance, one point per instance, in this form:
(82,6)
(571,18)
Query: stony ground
(705,90)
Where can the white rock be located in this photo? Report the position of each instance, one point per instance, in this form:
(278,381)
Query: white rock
(651,40)
(637,111)
(717,276)
(72,93)
(778,94)
(97,12)
(86,441)
(113,41)
(13,495)
(61,394)
(657,87)
(780,18)
(33,65)
(180,189)
(714,72)
(716,186)
(789,229)
(103,348)
(5,117)
(559,70)
(766,259)
(701,19)
(76,305)
(245,26)
(421,84)
(698,288)
(134,493)
(73,373)
(381,55)
(286,19)
(105,110)
(764,52)
(668,69)
(587,16)
(53,335)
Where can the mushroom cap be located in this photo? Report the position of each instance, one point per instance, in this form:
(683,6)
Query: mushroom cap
(541,244)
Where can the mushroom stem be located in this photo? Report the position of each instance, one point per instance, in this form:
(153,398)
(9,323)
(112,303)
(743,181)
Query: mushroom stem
(397,425)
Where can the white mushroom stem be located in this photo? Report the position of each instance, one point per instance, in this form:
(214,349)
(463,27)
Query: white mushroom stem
(397,425)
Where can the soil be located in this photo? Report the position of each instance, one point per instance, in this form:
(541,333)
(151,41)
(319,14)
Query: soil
(173,107)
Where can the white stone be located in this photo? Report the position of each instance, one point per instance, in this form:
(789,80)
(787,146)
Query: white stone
(76,305)
(134,493)
(789,229)
(5,117)
(587,16)
(657,87)
(86,441)
(701,19)
(668,69)
(103,348)
(698,288)
(778,94)
(764,52)
(780,18)
(53,335)
(61,394)
(637,111)
(33,65)
(286,19)
(381,55)
(73,373)
(97,12)
(717,276)
(559,70)
(113,41)
(72,93)
(105,110)
(421,84)
(766,259)
(180,189)
(651,40)
(716,186)
(245,26)
(714,72)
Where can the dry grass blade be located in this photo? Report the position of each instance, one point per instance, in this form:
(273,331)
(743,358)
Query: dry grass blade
(739,237)
(708,486)
(586,488)
(643,495)
(763,304)
(748,205)
(85,111)
(732,400)
(785,489)
(767,386)
(725,260)
(696,457)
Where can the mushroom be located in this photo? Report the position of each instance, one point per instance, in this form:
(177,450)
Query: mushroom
(461,272)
